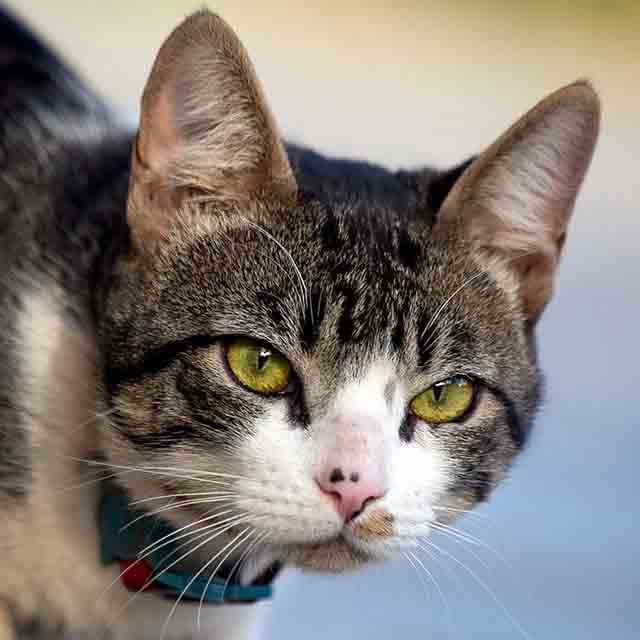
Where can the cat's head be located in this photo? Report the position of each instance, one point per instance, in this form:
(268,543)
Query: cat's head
(333,377)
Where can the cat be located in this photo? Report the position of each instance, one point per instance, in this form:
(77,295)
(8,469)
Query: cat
(272,357)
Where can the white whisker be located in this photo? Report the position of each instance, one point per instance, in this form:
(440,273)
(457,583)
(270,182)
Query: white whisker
(213,573)
(180,533)
(241,560)
(173,506)
(484,586)
(436,585)
(200,572)
(195,535)
(170,472)
(465,536)
(444,305)
(458,533)
(180,495)
(154,577)
(305,292)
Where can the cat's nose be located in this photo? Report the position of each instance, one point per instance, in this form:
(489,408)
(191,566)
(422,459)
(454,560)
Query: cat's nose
(350,490)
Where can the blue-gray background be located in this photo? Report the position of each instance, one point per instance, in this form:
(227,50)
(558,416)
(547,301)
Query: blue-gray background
(428,82)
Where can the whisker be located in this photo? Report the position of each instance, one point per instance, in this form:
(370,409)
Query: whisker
(173,536)
(471,512)
(414,566)
(173,505)
(93,418)
(151,579)
(179,495)
(213,573)
(238,565)
(484,586)
(436,560)
(305,292)
(469,550)
(199,572)
(217,474)
(434,318)
(159,471)
(467,537)
(444,305)
(102,478)
(104,463)
(196,535)
(436,585)
(458,533)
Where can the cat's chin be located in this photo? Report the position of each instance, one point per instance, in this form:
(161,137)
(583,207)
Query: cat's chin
(359,543)
(334,556)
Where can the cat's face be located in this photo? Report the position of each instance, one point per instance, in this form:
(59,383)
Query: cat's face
(328,380)
(348,301)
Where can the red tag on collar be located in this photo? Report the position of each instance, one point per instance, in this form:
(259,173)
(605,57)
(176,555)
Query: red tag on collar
(136,575)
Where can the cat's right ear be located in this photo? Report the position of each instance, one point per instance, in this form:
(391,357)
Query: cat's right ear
(205,131)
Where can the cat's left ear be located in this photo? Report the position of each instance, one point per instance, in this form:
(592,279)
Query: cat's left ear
(206,131)
(515,200)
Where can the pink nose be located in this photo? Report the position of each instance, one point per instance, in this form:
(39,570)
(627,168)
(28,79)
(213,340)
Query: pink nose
(350,490)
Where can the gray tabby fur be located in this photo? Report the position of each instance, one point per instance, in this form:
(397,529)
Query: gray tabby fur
(120,279)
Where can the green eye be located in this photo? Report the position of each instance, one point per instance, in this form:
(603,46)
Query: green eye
(445,401)
(257,366)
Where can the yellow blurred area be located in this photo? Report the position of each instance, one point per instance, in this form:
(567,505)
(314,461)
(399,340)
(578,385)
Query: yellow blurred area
(402,83)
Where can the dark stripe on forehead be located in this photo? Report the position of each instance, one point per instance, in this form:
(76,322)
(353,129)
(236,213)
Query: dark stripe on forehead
(409,253)
(273,306)
(348,328)
(311,320)
(397,335)
(427,339)
(330,232)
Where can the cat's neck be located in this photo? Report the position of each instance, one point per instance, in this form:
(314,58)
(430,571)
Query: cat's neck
(61,576)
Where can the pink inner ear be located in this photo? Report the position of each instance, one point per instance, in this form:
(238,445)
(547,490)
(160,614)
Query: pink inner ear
(205,130)
(516,199)
(158,141)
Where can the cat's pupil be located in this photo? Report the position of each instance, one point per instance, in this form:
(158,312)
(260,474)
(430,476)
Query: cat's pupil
(263,357)
(437,392)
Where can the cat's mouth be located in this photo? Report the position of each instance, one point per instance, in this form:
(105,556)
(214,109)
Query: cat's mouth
(350,548)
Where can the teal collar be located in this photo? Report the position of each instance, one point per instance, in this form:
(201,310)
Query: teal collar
(124,534)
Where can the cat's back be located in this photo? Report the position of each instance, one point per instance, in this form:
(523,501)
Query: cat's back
(63,163)
(63,177)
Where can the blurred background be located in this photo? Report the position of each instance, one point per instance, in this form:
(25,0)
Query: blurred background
(430,82)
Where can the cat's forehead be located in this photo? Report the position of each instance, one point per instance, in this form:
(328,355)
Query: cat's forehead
(343,283)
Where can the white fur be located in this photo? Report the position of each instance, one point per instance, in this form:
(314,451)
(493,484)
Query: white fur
(281,463)
(50,564)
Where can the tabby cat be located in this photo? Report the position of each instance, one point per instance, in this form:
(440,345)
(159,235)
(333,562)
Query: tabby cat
(223,354)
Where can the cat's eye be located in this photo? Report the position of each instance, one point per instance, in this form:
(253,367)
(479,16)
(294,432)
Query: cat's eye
(444,401)
(257,366)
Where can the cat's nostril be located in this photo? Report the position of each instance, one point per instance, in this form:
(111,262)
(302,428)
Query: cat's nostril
(337,475)
(349,498)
